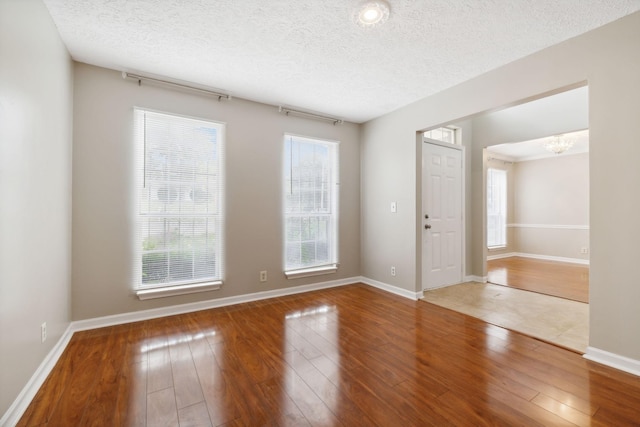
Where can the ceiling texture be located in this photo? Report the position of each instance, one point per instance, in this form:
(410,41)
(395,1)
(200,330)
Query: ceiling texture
(310,54)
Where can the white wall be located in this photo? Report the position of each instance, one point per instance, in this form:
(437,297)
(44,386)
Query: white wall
(609,59)
(103,189)
(35,190)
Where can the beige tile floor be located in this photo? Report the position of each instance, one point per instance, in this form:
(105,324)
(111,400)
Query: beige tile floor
(556,320)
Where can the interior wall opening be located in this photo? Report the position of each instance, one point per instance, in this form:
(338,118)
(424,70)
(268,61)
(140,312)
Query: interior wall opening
(542,217)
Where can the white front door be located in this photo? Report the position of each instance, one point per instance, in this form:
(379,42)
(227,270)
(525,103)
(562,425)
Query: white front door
(441,215)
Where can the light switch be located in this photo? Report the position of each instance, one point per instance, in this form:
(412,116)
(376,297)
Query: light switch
(394,207)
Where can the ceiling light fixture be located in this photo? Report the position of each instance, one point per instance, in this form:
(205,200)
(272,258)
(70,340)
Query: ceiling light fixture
(372,13)
(558,144)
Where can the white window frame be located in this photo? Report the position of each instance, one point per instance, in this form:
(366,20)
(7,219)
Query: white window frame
(448,134)
(323,210)
(497,182)
(145,213)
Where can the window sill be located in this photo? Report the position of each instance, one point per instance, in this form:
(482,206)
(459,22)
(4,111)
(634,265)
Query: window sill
(169,291)
(496,248)
(308,272)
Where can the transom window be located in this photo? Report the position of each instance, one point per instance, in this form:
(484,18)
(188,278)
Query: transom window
(180,215)
(444,134)
(310,205)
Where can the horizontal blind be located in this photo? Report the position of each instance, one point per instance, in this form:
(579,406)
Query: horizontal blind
(180,200)
(496,208)
(310,202)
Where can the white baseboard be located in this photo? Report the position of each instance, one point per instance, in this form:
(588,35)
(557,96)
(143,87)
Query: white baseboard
(136,316)
(542,257)
(17,408)
(391,289)
(500,256)
(481,279)
(613,360)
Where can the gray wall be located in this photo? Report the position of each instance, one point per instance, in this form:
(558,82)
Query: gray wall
(35,190)
(552,191)
(103,162)
(609,59)
(561,113)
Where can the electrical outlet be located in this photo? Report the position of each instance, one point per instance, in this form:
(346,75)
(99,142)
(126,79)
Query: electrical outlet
(393,271)
(43,332)
(263,276)
(584,250)
(394,207)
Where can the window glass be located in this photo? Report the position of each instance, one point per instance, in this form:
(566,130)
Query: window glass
(496,208)
(179,200)
(310,202)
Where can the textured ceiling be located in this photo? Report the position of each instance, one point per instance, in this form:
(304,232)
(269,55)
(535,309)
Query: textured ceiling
(309,54)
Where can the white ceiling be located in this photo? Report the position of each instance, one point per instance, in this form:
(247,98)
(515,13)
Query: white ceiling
(534,149)
(565,113)
(309,54)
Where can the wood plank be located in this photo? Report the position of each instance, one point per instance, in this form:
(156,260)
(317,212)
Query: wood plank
(185,377)
(560,279)
(194,416)
(82,380)
(346,356)
(161,408)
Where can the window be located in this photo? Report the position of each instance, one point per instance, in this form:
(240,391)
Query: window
(179,204)
(310,206)
(444,134)
(496,208)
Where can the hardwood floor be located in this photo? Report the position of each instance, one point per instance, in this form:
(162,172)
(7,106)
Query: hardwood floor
(348,356)
(560,279)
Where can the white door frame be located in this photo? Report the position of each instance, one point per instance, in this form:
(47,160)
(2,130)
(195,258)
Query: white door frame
(421,209)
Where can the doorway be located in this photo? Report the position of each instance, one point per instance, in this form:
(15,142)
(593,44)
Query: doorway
(562,112)
(538,216)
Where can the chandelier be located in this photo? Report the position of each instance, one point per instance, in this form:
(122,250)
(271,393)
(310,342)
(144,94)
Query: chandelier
(558,144)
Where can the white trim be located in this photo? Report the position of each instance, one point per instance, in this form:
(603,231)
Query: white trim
(554,258)
(613,360)
(391,289)
(309,272)
(450,284)
(136,316)
(480,279)
(500,256)
(20,405)
(571,152)
(537,256)
(550,226)
(169,291)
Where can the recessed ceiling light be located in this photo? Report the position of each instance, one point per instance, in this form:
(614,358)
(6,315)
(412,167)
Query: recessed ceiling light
(371,13)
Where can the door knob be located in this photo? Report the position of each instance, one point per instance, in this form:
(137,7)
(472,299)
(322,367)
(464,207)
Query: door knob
(427,226)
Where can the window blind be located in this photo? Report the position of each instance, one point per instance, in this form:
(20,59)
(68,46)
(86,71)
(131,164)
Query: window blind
(496,208)
(310,203)
(179,230)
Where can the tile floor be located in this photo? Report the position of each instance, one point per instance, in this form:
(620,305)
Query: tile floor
(556,320)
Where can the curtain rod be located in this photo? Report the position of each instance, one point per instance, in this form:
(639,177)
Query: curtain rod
(140,78)
(289,111)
